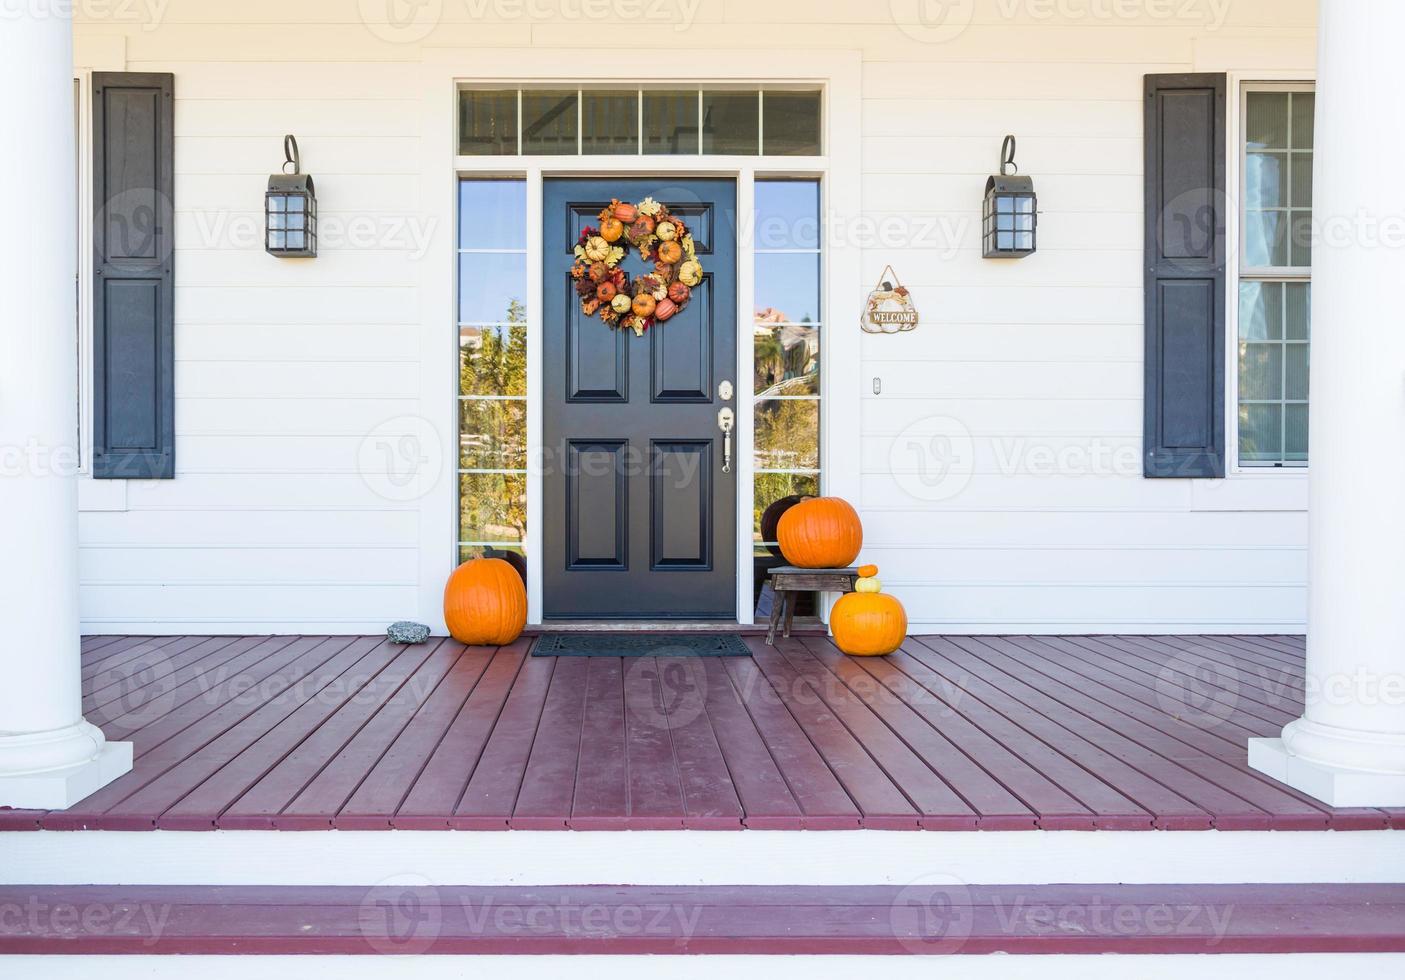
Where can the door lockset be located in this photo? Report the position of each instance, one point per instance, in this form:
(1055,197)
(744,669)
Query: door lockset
(724,391)
(726,420)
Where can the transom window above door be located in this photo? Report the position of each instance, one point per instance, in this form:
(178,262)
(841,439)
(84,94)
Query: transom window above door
(626,121)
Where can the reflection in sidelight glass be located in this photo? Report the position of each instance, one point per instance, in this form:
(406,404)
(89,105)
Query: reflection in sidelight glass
(492,395)
(785,354)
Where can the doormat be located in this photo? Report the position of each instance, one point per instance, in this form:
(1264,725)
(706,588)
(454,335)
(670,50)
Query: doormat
(640,645)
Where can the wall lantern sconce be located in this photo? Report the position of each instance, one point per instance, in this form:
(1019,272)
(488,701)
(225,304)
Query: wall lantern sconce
(290,209)
(1011,210)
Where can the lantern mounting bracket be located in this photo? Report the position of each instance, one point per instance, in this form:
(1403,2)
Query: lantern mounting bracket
(1008,167)
(291,158)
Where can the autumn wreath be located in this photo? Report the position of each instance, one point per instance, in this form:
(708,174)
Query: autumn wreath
(660,237)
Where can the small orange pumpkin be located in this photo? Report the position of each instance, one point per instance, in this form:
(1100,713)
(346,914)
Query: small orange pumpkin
(665,309)
(868,571)
(611,229)
(679,293)
(643,304)
(626,213)
(868,624)
(605,291)
(670,252)
(598,271)
(821,532)
(643,227)
(485,603)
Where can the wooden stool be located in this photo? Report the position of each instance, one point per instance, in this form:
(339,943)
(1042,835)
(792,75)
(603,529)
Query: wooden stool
(787,581)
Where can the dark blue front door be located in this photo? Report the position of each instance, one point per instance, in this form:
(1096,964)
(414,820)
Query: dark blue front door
(639,515)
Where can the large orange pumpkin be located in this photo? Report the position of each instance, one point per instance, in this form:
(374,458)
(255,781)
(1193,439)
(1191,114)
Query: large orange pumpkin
(822,532)
(485,603)
(868,624)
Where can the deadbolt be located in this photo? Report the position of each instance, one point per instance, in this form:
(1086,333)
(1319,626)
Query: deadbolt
(724,391)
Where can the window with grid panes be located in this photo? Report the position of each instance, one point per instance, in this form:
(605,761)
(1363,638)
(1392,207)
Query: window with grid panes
(786,346)
(627,122)
(492,395)
(1275,276)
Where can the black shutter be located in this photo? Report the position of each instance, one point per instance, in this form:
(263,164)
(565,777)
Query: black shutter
(1185,276)
(133,285)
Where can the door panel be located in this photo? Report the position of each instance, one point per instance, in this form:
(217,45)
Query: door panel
(639,520)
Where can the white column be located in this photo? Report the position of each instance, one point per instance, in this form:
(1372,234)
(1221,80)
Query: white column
(1349,747)
(49,756)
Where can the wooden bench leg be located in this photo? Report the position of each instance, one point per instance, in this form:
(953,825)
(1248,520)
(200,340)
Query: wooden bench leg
(791,598)
(777,598)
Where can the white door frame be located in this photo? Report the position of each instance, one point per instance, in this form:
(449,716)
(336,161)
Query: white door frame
(444,72)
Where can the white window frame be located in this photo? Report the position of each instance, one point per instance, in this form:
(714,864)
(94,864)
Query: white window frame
(83,147)
(838,169)
(1240,85)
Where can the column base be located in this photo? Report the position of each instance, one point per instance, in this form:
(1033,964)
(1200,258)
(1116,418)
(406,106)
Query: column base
(59,789)
(1330,784)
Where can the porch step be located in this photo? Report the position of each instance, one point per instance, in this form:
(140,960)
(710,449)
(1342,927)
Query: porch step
(940,916)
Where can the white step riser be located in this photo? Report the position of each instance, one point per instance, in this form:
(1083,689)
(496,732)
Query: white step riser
(1152,967)
(699,857)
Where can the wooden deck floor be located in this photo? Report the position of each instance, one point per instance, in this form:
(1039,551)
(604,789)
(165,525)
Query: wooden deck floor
(951,733)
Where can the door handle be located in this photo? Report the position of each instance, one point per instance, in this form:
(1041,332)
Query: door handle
(726,419)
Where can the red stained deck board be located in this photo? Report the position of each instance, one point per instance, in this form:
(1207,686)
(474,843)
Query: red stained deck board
(882,803)
(1220,760)
(1107,730)
(601,799)
(1235,796)
(384,788)
(128,647)
(710,798)
(900,740)
(761,788)
(1250,648)
(979,920)
(327,792)
(1178,682)
(1230,749)
(243,725)
(253,687)
(89,644)
(162,669)
(1000,733)
(123,718)
(325,723)
(997,784)
(184,733)
(1062,733)
(823,799)
(655,787)
(1064,793)
(440,784)
(1264,693)
(549,782)
(298,700)
(491,793)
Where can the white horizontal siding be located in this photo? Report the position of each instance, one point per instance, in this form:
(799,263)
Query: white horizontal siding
(284,368)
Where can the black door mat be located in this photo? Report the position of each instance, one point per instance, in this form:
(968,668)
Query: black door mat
(640,645)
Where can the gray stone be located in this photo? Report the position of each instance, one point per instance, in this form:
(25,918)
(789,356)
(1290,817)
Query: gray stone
(407,632)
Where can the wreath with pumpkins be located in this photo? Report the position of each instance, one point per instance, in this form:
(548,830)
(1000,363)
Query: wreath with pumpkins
(660,237)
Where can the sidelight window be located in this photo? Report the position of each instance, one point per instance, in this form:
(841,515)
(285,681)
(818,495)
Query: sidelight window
(786,351)
(492,395)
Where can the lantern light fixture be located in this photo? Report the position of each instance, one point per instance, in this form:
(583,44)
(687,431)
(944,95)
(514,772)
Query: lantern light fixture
(290,209)
(1011,211)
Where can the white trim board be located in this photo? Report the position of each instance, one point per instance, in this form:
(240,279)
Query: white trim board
(751,857)
(1310,966)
